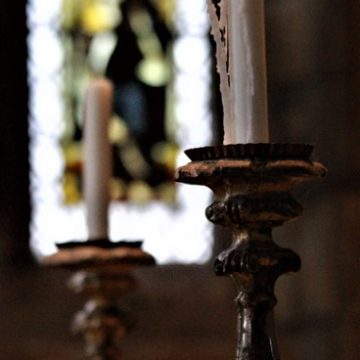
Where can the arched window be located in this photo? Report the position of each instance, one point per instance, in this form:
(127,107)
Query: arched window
(69,42)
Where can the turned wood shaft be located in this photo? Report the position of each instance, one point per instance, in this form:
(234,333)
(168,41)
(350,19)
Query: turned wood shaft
(254,262)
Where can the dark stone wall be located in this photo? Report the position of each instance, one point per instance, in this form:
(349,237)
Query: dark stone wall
(14,169)
(314,63)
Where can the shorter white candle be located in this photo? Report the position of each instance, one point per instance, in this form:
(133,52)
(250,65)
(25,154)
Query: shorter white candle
(97,156)
(238,27)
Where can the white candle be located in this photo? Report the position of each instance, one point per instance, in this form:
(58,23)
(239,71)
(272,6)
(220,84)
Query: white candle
(97,156)
(238,27)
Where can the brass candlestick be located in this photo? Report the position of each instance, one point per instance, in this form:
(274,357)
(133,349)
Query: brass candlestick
(102,271)
(252,184)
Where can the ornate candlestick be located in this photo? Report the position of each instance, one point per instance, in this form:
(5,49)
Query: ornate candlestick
(102,271)
(252,184)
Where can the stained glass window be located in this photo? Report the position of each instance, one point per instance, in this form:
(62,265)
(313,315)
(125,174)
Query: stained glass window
(161,107)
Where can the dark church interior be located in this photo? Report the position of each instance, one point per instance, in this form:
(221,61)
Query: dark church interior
(183,311)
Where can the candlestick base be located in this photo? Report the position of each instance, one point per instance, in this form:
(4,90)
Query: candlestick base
(252,184)
(102,271)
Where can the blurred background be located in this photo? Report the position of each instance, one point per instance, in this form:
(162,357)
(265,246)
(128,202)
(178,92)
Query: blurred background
(183,311)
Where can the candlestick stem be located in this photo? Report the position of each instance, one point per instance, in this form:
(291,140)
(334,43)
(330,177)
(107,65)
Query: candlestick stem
(254,262)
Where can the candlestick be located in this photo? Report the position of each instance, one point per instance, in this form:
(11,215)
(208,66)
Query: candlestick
(97,156)
(252,186)
(103,269)
(238,27)
(103,272)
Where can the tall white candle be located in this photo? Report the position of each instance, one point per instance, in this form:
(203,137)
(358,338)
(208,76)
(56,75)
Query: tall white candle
(238,27)
(97,156)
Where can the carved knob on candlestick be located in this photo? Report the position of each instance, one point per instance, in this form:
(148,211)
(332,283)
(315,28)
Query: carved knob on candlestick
(252,186)
(103,273)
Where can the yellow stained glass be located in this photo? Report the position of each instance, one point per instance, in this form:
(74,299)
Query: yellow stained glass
(128,41)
